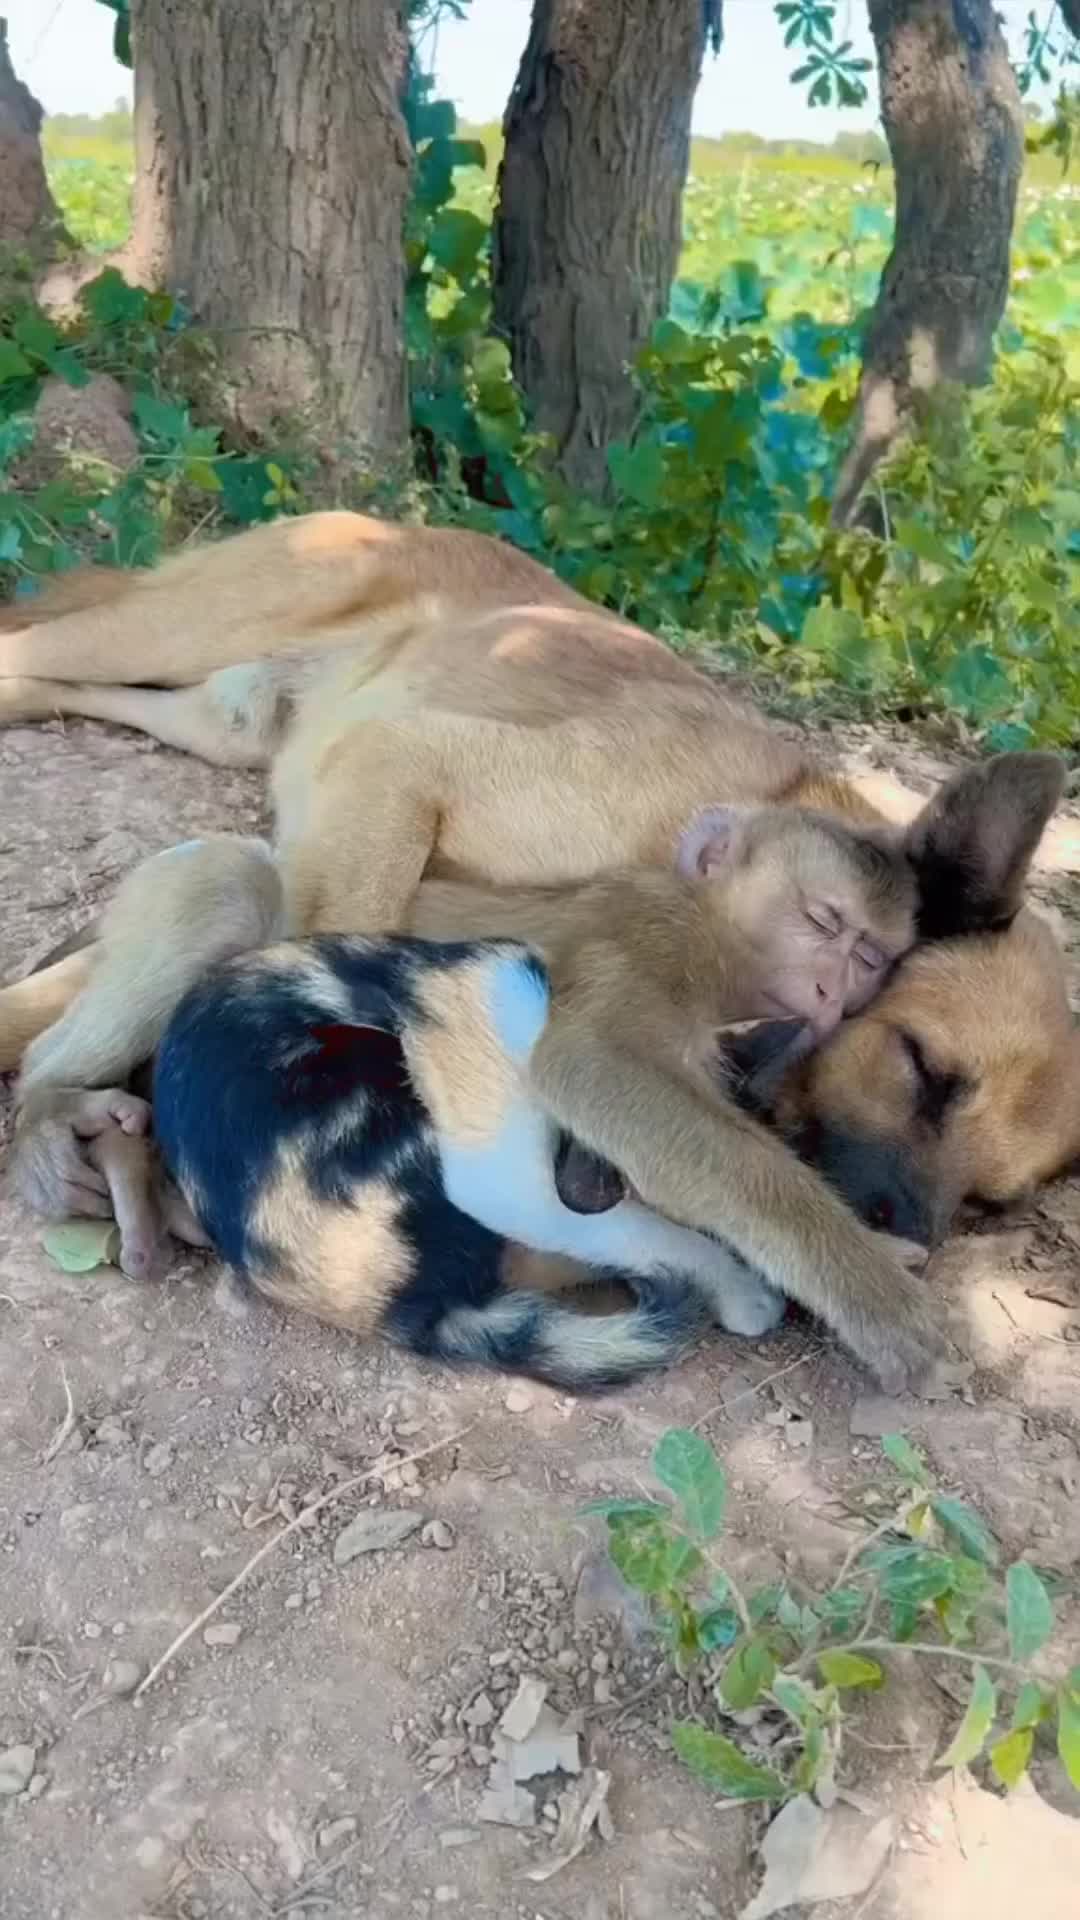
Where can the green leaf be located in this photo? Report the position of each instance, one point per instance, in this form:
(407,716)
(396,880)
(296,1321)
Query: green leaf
(1029,1611)
(796,1698)
(35,334)
(841,1608)
(1033,1706)
(688,1467)
(719,1763)
(849,1669)
(718,1628)
(905,1458)
(651,1558)
(161,419)
(748,1674)
(457,240)
(970,1736)
(638,472)
(13,364)
(911,1575)
(1009,1757)
(1068,1740)
(976,683)
(77,1246)
(971,1534)
(925,544)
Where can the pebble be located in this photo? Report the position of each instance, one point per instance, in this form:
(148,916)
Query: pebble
(335,1831)
(293,1601)
(518,1400)
(121,1677)
(481,1713)
(223,1633)
(159,1459)
(16,1769)
(445,1895)
(437,1533)
(501,1658)
(602,1693)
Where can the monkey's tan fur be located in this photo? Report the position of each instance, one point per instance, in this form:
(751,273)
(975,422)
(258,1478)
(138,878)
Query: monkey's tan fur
(435,704)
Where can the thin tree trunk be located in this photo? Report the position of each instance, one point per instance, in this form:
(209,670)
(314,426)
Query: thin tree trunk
(272,170)
(29,221)
(588,225)
(953,119)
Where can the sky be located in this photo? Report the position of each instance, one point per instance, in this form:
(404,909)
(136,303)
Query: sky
(63,50)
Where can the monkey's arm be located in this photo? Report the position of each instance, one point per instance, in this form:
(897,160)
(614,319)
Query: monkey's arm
(697,1159)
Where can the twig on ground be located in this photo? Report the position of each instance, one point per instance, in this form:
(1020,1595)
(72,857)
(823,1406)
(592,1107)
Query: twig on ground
(303,1519)
(66,1426)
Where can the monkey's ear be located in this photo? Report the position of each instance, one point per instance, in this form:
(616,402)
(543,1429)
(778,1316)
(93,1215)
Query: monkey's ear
(713,840)
(971,847)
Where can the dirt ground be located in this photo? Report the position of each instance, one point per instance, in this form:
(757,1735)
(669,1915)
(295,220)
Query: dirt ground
(322,1747)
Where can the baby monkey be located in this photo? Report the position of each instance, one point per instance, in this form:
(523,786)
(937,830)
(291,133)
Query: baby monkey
(284,1078)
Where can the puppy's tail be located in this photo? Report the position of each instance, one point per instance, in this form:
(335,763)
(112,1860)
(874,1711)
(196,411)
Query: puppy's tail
(529,1332)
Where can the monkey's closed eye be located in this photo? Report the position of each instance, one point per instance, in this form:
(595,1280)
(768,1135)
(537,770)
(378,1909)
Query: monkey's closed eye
(870,956)
(826,920)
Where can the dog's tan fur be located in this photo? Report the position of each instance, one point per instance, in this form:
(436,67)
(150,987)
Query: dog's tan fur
(435,704)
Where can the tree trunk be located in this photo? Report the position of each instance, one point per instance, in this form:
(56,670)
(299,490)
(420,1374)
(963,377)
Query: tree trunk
(953,119)
(29,221)
(272,170)
(588,226)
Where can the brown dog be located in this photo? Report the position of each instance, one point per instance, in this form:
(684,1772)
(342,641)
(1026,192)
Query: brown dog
(434,703)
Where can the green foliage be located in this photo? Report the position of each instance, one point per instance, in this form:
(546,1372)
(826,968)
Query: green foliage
(925,1579)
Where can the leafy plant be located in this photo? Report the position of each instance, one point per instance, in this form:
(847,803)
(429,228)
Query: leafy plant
(927,1580)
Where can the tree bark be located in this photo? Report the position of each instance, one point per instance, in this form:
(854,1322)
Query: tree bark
(953,119)
(272,170)
(588,224)
(29,221)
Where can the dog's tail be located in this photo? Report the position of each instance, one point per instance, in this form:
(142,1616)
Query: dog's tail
(529,1332)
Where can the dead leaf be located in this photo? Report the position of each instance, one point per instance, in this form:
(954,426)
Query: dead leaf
(580,1809)
(812,1856)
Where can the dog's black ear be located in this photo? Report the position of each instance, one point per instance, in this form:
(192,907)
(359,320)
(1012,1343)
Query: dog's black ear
(971,847)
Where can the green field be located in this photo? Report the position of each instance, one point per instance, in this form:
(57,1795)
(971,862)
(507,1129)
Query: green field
(816,227)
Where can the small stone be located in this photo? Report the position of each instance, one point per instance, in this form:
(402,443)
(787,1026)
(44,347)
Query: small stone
(480,1755)
(293,1601)
(481,1713)
(91,1630)
(446,1895)
(335,1831)
(456,1837)
(501,1658)
(521,1715)
(38,1785)
(518,1400)
(222,1633)
(602,1693)
(16,1769)
(122,1677)
(508,1806)
(566,1661)
(374,1532)
(159,1459)
(601,1661)
(437,1533)
(150,1852)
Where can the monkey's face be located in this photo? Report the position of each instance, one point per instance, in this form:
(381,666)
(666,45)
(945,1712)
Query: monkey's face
(825,915)
(961,1081)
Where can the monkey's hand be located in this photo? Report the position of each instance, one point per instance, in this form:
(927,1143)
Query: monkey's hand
(87,1154)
